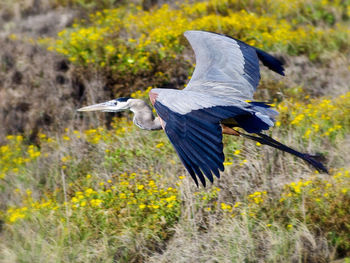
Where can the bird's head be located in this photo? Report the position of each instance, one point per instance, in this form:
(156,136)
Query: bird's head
(115,105)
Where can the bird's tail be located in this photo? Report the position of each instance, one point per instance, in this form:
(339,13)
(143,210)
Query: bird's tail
(311,159)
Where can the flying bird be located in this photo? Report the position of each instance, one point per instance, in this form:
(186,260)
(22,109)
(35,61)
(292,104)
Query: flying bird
(218,98)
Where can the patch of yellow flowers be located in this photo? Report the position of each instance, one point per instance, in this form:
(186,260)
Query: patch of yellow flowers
(315,118)
(257,197)
(319,189)
(127,199)
(149,36)
(322,203)
(120,127)
(14,155)
(322,200)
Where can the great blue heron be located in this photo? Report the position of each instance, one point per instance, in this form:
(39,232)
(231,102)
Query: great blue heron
(217,99)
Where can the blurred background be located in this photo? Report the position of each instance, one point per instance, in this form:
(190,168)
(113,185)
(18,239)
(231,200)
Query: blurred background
(93,188)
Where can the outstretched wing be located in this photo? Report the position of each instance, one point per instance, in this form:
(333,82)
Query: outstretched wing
(226,66)
(191,121)
(226,73)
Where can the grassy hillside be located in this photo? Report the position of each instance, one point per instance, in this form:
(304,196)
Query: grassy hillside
(95,188)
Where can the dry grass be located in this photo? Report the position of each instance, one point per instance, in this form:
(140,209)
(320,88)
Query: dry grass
(198,236)
(243,241)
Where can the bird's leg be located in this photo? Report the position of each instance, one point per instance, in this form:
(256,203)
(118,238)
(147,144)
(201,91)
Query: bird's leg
(228,130)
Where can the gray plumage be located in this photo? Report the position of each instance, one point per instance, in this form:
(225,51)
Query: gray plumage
(143,115)
(220,66)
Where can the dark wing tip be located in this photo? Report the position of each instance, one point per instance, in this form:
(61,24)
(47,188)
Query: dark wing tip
(270,61)
(314,161)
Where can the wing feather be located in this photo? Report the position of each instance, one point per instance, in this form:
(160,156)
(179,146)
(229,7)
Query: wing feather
(207,159)
(197,138)
(226,66)
(185,160)
(198,158)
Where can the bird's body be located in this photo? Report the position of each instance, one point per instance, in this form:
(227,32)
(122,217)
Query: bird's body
(217,99)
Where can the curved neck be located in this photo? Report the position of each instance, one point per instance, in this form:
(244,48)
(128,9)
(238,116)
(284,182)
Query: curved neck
(143,116)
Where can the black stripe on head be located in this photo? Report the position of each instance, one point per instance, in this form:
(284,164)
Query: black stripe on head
(123,99)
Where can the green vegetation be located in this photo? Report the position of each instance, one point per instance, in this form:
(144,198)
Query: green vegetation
(88,198)
(115,193)
(129,40)
(316,118)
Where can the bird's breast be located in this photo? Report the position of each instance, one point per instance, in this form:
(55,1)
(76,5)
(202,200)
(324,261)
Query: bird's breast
(162,122)
(153,96)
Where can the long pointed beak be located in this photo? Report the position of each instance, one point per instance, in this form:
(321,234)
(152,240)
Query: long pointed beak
(96,107)
(105,106)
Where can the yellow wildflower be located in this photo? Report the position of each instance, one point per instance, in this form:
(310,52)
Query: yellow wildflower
(159,145)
